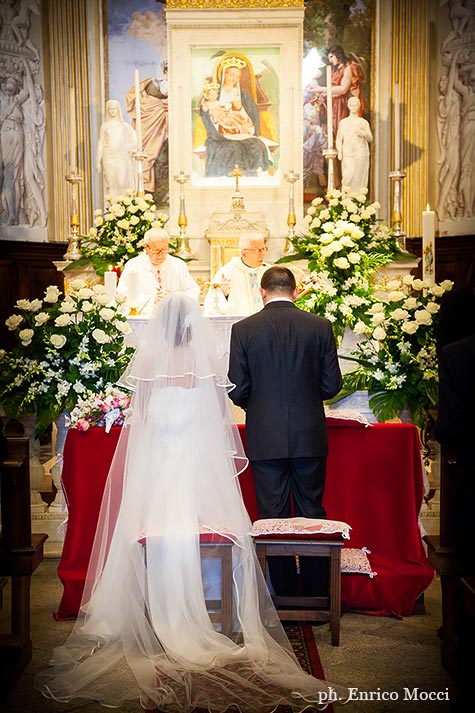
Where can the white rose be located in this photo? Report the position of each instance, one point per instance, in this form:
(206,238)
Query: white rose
(101,299)
(85,293)
(354,258)
(324,214)
(77,284)
(106,314)
(317,201)
(417,284)
(355,218)
(378,317)
(432,307)
(99,289)
(92,232)
(63,320)
(98,211)
(68,306)
(123,224)
(24,304)
(379,334)
(98,221)
(26,335)
(342,263)
(87,306)
(41,318)
(409,327)
(360,328)
(400,314)
(447,285)
(423,316)
(35,305)
(100,336)
(408,279)
(356,233)
(377,307)
(134,220)
(326,251)
(437,290)
(411,303)
(58,340)
(393,285)
(52,294)
(326,238)
(396,296)
(316,222)
(13,321)
(307,220)
(123,327)
(119,298)
(312,210)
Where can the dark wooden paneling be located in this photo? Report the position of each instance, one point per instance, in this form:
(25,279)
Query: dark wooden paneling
(26,270)
(454,258)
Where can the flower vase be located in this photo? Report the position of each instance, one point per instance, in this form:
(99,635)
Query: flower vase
(60,431)
(37,472)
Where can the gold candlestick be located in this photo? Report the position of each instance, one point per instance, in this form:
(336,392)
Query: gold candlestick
(237,202)
(72,252)
(184,250)
(291,177)
(139,156)
(396,217)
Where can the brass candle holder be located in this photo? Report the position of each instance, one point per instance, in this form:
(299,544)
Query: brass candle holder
(396,216)
(184,250)
(73,252)
(291,177)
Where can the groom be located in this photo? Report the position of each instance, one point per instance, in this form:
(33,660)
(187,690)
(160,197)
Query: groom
(284,363)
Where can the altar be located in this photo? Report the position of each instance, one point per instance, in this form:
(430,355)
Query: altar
(374,482)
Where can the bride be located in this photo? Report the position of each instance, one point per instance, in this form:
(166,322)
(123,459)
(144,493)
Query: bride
(144,632)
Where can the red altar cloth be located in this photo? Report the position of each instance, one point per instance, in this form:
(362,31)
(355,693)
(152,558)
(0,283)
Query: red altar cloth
(374,483)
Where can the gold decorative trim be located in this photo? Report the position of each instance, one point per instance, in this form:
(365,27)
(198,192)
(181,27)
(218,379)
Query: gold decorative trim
(265,4)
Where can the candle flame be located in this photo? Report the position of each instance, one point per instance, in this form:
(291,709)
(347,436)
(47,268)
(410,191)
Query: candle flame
(110,268)
(427,207)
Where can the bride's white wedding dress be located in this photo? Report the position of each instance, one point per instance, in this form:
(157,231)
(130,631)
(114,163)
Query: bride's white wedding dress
(144,631)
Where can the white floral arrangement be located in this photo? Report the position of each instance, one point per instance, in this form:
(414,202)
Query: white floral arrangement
(108,408)
(345,245)
(117,234)
(397,362)
(66,348)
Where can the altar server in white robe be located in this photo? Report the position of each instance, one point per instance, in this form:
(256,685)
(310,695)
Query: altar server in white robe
(240,279)
(153,274)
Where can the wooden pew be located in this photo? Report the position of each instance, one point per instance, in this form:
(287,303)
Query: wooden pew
(20,554)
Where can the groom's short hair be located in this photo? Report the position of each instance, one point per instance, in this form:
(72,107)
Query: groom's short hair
(278,279)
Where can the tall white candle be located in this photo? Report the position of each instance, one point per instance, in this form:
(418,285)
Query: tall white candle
(329,107)
(428,244)
(397,129)
(73,145)
(133,289)
(110,282)
(181,139)
(138,114)
(291,129)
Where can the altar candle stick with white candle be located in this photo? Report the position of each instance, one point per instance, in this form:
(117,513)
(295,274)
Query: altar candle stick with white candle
(181,116)
(397,129)
(110,282)
(428,244)
(138,114)
(329,107)
(72,133)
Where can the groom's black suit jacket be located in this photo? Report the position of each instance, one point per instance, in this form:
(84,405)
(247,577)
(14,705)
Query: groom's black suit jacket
(284,363)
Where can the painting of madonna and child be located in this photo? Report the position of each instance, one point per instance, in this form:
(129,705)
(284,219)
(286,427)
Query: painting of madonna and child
(235,115)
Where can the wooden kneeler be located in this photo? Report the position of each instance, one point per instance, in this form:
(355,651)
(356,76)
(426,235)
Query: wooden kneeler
(20,554)
(213,546)
(305,608)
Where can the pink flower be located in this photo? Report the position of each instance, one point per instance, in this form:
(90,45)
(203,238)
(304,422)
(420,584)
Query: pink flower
(82,425)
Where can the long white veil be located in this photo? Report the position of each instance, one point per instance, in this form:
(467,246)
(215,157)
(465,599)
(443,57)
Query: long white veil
(144,632)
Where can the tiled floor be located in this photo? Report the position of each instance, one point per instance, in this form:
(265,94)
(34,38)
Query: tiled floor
(376,654)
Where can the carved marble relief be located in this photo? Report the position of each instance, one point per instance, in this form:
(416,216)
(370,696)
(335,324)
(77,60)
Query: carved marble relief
(22,119)
(456,114)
